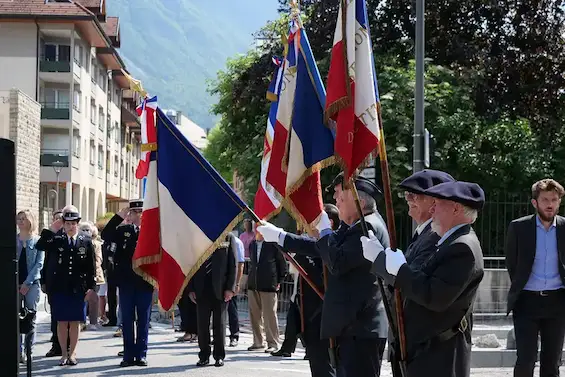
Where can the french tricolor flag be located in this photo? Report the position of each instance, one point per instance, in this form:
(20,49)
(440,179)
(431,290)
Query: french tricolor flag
(188,210)
(352,98)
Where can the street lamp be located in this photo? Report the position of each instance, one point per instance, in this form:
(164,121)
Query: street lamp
(57,166)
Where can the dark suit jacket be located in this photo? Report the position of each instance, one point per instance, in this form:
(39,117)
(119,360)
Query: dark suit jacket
(520,252)
(267,272)
(352,303)
(440,289)
(223,271)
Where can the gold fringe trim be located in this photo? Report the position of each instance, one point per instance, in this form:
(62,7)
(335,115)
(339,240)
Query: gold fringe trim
(300,220)
(335,107)
(149,147)
(273,213)
(272,97)
(308,172)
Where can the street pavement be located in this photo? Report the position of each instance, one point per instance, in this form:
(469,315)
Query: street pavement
(97,356)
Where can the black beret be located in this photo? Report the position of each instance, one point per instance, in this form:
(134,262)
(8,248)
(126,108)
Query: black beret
(423,180)
(71,216)
(362,184)
(136,204)
(466,193)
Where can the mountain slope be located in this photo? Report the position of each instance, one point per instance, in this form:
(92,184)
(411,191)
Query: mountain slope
(175,46)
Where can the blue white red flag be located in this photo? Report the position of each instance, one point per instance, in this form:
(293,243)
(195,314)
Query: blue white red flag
(352,97)
(146,112)
(195,210)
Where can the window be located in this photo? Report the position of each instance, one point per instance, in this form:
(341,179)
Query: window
(92,153)
(101,118)
(94,71)
(76,102)
(100,157)
(50,53)
(122,170)
(117,133)
(102,79)
(108,166)
(64,53)
(127,172)
(55,98)
(78,54)
(92,111)
(117,96)
(76,144)
(116,164)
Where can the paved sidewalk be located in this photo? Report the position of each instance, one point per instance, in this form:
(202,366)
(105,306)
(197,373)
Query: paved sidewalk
(97,355)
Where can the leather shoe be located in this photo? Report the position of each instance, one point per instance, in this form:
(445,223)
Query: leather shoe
(219,363)
(127,363)
(121,354)
(281,353)
(141,362)
(233,343)
(202,363)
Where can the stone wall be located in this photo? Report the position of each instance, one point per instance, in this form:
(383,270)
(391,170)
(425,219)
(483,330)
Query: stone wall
(25,131)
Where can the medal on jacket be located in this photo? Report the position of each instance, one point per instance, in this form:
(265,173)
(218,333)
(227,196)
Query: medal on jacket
(60,261)
(127,234)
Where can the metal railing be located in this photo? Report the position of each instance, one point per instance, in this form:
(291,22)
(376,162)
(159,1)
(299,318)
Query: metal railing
(49,156)
(55,110)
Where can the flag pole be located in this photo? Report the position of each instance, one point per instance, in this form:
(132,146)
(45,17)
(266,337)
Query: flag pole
(289,258)
(385,173)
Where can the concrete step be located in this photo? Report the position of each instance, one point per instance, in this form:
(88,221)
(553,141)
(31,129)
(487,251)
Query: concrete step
(501,332)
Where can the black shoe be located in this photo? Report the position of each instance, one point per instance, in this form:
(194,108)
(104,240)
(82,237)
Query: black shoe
(233,343)
(127,363)
(110,324)
(219,363)
(281,353)
(54,352)
(202,363)
(121,354)
(141,362)
(306,357)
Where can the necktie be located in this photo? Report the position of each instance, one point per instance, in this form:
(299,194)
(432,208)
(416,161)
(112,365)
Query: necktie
(208,266)
(72,242)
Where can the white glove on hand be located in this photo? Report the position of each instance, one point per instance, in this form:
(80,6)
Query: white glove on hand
(394,260)
(324,222)
(371,247)
(270,232)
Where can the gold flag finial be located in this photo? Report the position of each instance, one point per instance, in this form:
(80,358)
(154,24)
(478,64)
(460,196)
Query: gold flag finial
(135,85)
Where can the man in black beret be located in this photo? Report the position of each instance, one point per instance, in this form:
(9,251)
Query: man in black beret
(352,311)
(440,292)
(424,240)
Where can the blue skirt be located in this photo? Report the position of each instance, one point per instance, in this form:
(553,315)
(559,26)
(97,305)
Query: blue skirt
(68,307)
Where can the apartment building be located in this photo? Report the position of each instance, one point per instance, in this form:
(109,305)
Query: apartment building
(64,55)
(193,132)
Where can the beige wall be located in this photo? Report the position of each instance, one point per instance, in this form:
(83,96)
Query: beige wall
(18,56)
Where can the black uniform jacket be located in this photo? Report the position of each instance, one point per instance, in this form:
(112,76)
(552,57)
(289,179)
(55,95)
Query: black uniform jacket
(125,237)
(223,271)
(267,272)
(520,252)
(67,270)
(438,291)
(352,303)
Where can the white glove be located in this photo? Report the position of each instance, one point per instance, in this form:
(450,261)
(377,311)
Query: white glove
(270,232)
(371,247)
(324,222)
(394,260)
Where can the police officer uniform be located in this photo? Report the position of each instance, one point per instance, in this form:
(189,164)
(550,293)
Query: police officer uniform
(439,291)
(352,310)
(136,295)
(422,245)
(70,271)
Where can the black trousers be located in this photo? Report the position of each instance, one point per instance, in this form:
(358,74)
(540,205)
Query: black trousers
(319,358)
(360,357)
(112,298)
(544,315)
(292,328)
(208,305)
(233,318)
(187,308)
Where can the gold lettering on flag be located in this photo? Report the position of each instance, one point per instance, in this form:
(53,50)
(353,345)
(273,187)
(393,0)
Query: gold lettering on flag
(287,77)
(371,111)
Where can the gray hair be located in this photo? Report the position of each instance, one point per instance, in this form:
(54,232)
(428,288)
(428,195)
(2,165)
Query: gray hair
(369,203)
(471,214)
(91,226)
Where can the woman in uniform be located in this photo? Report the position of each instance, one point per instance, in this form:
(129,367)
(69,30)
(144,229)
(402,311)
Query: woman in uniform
(71,278)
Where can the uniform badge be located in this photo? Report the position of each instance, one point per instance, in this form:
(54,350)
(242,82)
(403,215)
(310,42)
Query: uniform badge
(82,250)
(61,249)
(60,261)
(127,234)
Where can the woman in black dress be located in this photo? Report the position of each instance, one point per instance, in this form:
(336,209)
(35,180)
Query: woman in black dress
(70,276)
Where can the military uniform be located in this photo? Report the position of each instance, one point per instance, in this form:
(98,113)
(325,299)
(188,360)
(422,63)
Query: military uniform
(136,295)
(439,286)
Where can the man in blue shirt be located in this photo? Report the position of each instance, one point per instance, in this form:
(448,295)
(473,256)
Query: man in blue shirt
(232,304)
(534,257)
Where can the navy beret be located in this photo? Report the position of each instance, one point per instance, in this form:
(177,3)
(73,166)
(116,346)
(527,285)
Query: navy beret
(466,193)
(423,180)
(71,216)
(361,183)
(136,204)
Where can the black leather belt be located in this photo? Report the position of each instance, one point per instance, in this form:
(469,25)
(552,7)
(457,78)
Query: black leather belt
(545,293)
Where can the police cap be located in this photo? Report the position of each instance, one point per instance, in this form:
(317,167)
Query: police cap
(71,216)
(423,180)
(361,183)
(466,193)
(136,204)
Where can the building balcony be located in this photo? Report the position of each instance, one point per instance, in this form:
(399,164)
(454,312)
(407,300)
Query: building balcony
(49,156)
(54,66)
(55,110)
(129,116)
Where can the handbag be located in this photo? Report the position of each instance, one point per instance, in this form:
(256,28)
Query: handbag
(27,317)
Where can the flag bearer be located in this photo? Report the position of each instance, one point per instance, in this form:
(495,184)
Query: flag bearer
(136,294)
